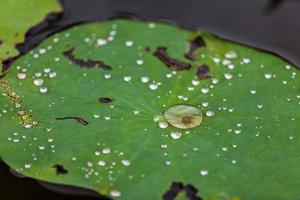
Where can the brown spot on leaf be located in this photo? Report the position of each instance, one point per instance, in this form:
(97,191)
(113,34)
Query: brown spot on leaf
(105,100)
(202,72)
(89,63)
(195,43)
(78,119)
(7,62)
(187,120)
(191,192)
(147,49)
(59,169)
(172,63)
(177,187)
(1,42)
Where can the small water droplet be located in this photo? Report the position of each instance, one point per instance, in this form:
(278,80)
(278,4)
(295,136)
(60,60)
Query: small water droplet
(38,74)
(205,90)
(216,60)
(151,25)
(106,151)
(127,78)
(101,42)
(139,62)
(153,86)
(260,106)
(43,90)
(21,75)
(224,148)
(38,82)
(145,79)
(246,60)
(168,162)
(129,43)
(136,112)
(215,80)
(169,75)
(125,162)
(203,172)
(107,76)
(175,135)
(226,62)
(268,76)
(191,88)
(96,115)
(41,147)
(228,76)
(101,163)
(195,82)
(47,70)
(205,104)
(237,131)
(231,55)
(115,193)
(157,118)
(231,66)
(162,124)
(52,74)
(27,166)
(209,113)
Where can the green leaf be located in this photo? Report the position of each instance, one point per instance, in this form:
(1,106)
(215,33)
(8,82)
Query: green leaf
(16,17)
(94,103)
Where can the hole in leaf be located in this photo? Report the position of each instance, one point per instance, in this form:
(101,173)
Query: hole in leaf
(69,54)
(78,119)
(162,55)
(202,72)
(59,169)
(177,187)
(195,43)
(105,100)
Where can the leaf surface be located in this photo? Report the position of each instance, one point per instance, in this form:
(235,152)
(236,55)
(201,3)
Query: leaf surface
(93,103)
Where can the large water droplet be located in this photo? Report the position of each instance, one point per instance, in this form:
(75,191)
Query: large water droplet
(183,116)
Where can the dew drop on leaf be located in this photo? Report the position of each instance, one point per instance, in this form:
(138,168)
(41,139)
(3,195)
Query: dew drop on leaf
(175,135)
(183,116)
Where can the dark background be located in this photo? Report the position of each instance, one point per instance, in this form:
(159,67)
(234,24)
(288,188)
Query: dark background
(271,25)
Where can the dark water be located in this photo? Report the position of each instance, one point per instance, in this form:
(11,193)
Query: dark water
(271,25)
